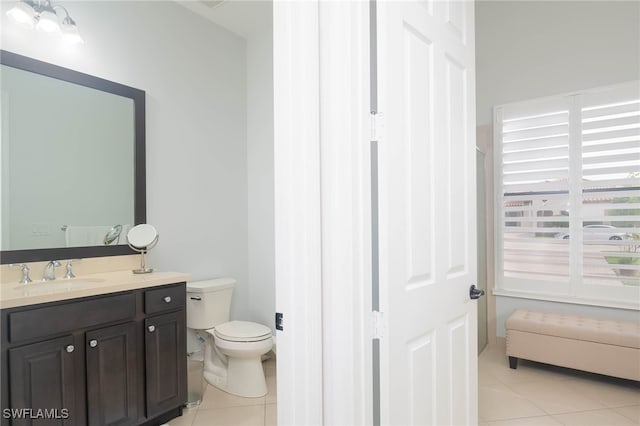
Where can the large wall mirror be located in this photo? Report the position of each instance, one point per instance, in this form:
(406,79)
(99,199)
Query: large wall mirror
(72,162)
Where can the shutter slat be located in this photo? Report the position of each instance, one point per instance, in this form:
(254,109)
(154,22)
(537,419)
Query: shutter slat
(554,152)
(611,122)
(536,143)
(620,109)
(633,134)
(537,187)
(607,158)
(537,219)
(535,176)
(627,170)
(557,130)
(539,164)
(533,122)
(519,229)
(615,183)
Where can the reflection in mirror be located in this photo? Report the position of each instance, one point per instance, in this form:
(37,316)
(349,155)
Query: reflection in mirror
(67,153)
(72,162)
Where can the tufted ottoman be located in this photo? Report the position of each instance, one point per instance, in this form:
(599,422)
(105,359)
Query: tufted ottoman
(597,345)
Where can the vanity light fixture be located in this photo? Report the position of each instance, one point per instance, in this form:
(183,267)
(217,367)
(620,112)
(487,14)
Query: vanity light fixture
(46,17)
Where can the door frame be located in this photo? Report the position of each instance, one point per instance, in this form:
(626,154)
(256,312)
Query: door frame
(345,146)
(297,211)
(322,211)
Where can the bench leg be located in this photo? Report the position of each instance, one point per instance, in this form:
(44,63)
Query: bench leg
(513,362)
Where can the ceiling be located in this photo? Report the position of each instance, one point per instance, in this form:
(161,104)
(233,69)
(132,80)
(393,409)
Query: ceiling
(243,17)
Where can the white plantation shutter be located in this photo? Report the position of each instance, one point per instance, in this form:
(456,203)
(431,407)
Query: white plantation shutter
(610,123)
(569,172)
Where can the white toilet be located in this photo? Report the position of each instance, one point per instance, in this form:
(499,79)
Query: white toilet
(232,349)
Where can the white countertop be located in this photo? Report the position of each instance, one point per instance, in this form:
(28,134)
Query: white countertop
(15,294)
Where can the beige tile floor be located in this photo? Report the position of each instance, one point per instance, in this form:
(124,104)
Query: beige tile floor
(540,395)
(219,408)
(534,394)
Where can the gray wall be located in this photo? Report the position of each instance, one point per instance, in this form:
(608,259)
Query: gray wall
(261,227)
(530,49)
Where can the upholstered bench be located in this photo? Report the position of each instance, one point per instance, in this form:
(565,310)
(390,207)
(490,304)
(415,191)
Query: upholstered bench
(597,345)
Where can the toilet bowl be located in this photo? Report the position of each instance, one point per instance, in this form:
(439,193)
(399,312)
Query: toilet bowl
(233,350)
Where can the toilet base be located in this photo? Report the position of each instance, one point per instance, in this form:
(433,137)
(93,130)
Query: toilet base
(244,377)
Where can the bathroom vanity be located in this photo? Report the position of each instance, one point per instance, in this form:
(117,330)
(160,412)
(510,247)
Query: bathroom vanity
(104,348)
(108,350)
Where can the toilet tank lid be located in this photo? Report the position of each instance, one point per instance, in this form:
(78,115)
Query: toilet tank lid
(206,286)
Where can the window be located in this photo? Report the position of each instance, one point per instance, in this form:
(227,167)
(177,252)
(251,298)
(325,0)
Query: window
(568,217)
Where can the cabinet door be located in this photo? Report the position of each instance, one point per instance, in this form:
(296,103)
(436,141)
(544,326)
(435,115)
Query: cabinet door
(42,378)
(112,375)
(166,360)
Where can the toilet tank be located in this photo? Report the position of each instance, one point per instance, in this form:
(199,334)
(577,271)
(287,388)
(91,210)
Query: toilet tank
(209,302)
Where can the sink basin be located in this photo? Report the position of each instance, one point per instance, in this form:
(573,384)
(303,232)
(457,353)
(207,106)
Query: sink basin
(55,286)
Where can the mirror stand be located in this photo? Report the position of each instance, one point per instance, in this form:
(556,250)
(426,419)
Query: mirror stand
(142,238)
(143,264)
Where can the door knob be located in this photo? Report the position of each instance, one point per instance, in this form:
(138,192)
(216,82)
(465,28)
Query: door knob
(70,348)
(151,328)
(475,293)
(93,343)
(167,299)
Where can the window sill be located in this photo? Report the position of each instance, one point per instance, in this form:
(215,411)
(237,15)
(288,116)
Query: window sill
(568,299)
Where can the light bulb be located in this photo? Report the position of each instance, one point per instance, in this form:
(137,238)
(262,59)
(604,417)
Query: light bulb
(22,13)
(48,22)
(70,33)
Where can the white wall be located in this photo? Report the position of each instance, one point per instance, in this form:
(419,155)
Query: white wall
(530,49)
(261,243)
(194,75)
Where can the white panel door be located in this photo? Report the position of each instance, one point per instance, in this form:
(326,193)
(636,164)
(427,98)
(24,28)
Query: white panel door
(427,212)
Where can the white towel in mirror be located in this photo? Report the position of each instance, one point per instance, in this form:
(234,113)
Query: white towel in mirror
(123,235)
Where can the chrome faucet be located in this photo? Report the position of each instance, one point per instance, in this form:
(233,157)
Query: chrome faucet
(49,271)
(25,272)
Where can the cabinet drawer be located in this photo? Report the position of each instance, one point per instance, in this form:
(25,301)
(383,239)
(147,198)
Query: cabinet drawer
(50,320)
(164,298)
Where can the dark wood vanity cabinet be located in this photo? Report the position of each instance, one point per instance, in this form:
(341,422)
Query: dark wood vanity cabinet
(104,360)
(112,372)
(165,362)
(43,375)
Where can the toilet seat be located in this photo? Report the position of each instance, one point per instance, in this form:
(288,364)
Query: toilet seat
(242,331)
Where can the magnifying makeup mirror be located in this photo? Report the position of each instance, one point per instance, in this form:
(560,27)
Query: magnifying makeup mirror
(142,238)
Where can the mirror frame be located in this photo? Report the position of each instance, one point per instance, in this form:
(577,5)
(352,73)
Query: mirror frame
(140,203)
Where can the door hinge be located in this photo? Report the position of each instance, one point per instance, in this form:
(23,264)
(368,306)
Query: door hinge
(377,325)
(377,123)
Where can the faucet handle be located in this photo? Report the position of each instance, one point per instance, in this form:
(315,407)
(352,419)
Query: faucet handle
(25,272)
(69,274)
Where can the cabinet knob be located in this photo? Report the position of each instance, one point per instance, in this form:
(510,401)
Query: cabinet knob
(70,348)
(93,343)
(151,328)
(167,299)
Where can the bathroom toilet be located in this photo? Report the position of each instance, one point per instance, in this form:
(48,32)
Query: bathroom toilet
(233,350)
